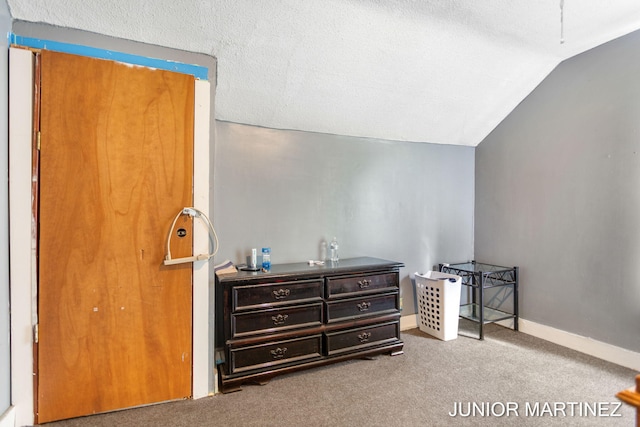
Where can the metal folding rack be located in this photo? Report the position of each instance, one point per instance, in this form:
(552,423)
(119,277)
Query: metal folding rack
(480,277)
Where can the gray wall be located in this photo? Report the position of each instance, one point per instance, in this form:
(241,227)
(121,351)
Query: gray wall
(5,359)
(558,193)
(289,190)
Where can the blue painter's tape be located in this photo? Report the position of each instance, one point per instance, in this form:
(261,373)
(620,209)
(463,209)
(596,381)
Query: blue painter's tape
(197,71)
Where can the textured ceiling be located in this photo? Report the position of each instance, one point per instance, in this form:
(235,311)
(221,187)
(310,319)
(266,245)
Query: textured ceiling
(440,71)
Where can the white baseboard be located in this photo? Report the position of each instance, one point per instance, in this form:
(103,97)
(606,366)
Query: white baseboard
(610,353)
(408,322)
(8,419)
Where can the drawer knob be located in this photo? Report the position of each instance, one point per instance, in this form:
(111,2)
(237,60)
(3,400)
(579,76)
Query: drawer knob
(364,306)
(280,319)
(364,283)
(364,337)
(278,353)
(281,293)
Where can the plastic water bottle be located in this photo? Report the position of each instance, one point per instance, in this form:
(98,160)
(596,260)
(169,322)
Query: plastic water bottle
(334,250)
(266,259)
(254,258)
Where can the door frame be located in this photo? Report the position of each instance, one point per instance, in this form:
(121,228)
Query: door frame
(22,244)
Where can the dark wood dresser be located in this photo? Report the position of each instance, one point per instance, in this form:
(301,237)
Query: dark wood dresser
(299,316)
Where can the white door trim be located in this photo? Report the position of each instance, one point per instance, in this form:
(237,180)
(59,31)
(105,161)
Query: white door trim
(200,371)
(21,238)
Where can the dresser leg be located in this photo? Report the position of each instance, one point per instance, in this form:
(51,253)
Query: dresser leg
(368,358)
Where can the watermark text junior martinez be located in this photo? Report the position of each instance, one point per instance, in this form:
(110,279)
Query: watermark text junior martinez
(536,409)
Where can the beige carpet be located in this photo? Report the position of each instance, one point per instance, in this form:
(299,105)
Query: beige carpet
(508,379)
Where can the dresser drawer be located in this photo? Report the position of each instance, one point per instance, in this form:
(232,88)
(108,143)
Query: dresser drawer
(355,339)
(274,294)
(362,306)
(346,285)
(275,353)
(276,319)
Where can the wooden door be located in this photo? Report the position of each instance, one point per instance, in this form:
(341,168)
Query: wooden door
(116,165)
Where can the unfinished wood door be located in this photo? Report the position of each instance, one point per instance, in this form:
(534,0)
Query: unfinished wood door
(116,165)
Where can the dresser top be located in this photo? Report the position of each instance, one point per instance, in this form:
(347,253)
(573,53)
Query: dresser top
(303,269)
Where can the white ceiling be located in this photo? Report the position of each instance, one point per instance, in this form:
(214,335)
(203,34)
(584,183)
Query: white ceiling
(440,71)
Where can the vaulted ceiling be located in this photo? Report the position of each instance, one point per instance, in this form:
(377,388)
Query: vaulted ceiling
(439,71)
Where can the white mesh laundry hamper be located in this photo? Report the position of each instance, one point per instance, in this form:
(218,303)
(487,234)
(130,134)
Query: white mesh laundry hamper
(438,304)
